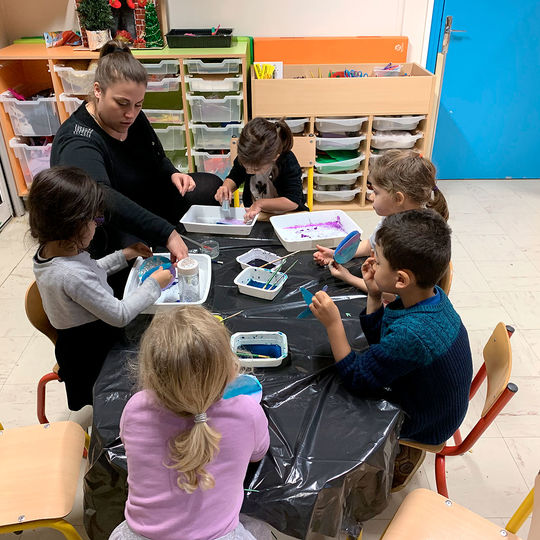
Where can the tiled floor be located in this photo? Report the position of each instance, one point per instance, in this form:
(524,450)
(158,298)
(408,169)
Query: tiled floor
(496,257)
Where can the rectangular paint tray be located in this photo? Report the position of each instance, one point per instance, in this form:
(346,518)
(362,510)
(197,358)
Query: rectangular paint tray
(170,298)
(304,230)
(257,253)
(213,220)
(245,339)
(260,275)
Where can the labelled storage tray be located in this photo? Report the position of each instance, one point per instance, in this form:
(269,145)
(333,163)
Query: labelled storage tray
(71,103)
(215,163)
(33,159)
(164,116)
(165,67)
(198,84)
(340,125)
(214,137)
(394,139)
(339,166)
(296,125)
(339,143)
(386,123)
(335,196)
(75,81)
(227,65)
(33,118)
(347,179)
(228,109)
(172,137)
(167,84)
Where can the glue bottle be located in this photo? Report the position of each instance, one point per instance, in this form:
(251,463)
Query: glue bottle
(188,280)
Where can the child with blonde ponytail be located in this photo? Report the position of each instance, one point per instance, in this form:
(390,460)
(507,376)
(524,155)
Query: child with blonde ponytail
(187,448)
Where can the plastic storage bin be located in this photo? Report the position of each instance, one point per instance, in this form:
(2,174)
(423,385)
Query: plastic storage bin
(35,118)
(214,137)
(296,125)
(165,67)
(33,159)
(346,179)
(394,139)
(167,84)
(260,275)
(75,81)
(228,109)
(339,166)
(385,123)
(339,143)
(219,164)
(172,138)
(340,125)
(335,196)
(179,160)
(228,65)
(164,116)
(182,38)
(210,220)
(197,84)
(71,103)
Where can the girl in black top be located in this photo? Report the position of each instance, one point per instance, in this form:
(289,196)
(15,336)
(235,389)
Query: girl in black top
(268,169)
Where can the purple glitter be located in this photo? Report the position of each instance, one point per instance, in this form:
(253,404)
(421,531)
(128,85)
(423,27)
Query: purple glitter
(230,221)
(336,226)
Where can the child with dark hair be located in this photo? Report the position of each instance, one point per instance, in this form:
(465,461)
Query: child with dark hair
(65,207)
(419,355)
(268,169)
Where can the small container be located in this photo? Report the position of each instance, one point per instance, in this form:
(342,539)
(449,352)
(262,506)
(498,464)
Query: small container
(248,340)
(71,103)
(227,65)
(382,140)
(251,281)
(32,118)
(257,257)
(33,159)
(188,280)
(211,248)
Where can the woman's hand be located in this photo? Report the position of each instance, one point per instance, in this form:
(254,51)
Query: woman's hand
(252,211)
(183,182)
(323,256)
(163,277)
(223,193)
(136,250)
(176,247)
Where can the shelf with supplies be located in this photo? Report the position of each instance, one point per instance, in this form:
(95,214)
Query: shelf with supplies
(31,68)
(354,121)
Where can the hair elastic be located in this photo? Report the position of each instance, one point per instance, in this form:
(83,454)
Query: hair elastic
(200,418)
(435,189)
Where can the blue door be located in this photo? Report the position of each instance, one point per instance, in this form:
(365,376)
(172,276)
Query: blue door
(489,115)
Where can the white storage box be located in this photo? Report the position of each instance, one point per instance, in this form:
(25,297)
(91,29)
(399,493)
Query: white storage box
(260,276)
(219,164)
(33,159)
(164,116)
(76,81)
(339,125)
(214,137)
(335,196)
(296,125)
(168,84)
(385,123)
(394,139)
(304,230)
(165,67)
(172,137)
(197,84)
(210,220)
(339,143)
(244,339)
(228,109)
(339,166)
(71,103)
(257,253)
(347,179)
(35,118)
(228,65)
(169,297)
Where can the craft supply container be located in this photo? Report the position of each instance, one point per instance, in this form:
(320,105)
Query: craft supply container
(256,253)
(261,275)
(261,337)
(202,219)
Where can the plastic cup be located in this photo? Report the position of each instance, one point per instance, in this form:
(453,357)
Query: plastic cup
(211,248)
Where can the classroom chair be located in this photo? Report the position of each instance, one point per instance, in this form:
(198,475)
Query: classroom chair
(304,150)
(39,472)
(425,515)
(445,283)
(497,367)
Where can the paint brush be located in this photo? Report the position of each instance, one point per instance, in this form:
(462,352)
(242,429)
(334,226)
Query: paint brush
(280,258)
(233,315)
(274,273)
(247,354)
(285,273)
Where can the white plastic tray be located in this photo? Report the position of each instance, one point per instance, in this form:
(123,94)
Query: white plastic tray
(340,125)
(202,219)
(347,179)
(261,275)
(394,139)
(256,253)
(384,123)
(264,338)
(170,297)
(328,237)
(198,84)
(335,196)
(296,125)
(339,143)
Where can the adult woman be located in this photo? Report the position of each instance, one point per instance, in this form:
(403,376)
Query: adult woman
(114,143)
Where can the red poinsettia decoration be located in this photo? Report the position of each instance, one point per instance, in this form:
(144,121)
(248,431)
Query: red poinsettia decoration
(124,36)
(131,3)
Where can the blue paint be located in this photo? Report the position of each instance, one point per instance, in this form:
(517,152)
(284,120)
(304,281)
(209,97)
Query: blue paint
(346,249)
(273,351)
(260,285)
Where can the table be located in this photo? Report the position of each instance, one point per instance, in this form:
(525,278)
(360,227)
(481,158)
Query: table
(331,453)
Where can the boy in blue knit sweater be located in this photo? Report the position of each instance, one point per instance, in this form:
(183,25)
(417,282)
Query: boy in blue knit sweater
(419,355)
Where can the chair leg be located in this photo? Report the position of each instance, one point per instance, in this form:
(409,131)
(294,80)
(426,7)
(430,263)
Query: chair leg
(457,438)
(440,475)
(61,525)
(41,396)
(66,529)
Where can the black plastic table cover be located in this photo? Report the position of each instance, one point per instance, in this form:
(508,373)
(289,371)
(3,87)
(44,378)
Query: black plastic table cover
(331,454)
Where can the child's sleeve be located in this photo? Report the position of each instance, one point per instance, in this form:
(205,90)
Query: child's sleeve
(371,325)
(113,263)
(289,182)
(261,434)
(237,174)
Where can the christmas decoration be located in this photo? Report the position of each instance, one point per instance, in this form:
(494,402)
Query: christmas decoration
(95,15)
(124,36)
(115,4)
(153,31)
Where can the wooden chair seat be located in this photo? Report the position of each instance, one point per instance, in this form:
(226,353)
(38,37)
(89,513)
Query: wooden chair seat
(427,447)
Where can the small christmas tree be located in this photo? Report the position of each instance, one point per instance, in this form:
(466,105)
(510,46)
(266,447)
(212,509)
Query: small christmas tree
(95,15)
(153,31)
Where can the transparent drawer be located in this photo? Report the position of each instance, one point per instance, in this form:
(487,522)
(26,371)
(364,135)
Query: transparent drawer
(197,84)
(179,160)
(35,118)
(394,139)
(339,143)
(339,179)
(164,116)
(385,123)
(168,84)
(214,137)
(339,166)
(172,138)
(336,196)
(219,164)
(71,103)
(228,65)
(340,125)
(75,81)
(228,109)
(165,67)
(33,159)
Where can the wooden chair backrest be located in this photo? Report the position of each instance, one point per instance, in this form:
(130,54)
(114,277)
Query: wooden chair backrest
(498,361)
(445,283)
(534,530)
(33,306)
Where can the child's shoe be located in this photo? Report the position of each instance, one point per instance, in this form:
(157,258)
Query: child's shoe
(407,463)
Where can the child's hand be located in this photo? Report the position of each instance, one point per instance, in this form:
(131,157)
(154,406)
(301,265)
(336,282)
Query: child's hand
(252,211)
(163,277)
(136,250)
(324,308)
(339,271)
(368,273)
(323,255)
